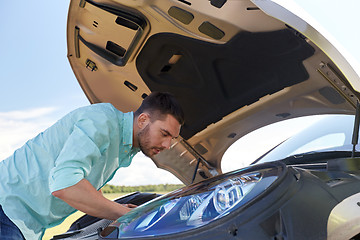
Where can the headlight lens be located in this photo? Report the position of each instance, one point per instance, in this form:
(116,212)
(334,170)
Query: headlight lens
(195,205)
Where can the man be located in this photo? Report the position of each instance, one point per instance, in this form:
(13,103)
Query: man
(62,168)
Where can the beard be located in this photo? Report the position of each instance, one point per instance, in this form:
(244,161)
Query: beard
(144,143)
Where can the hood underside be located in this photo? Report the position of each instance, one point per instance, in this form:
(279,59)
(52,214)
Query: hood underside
(232,67)
(212,80)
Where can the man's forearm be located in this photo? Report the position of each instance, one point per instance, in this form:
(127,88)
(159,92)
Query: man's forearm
(84,197)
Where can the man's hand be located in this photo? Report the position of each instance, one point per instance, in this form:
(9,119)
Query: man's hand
(129,205)
(84,197)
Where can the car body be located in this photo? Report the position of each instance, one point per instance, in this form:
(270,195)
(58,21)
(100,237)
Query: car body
(235,66)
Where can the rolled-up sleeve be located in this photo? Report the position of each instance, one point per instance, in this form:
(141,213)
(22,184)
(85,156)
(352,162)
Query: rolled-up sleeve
(77,156)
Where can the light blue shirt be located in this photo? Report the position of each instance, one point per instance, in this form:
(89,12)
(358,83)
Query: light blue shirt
(91,142)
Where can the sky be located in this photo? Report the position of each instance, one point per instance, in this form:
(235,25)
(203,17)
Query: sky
(38,86)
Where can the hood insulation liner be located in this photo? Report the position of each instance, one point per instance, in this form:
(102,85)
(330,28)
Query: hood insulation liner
(212,80)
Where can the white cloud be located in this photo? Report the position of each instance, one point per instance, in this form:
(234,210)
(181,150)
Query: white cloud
(143,171)
(16,127)
(27,114)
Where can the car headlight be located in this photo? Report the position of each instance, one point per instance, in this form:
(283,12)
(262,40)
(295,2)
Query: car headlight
(196,205)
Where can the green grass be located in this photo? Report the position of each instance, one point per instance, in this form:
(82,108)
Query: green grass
(63,227)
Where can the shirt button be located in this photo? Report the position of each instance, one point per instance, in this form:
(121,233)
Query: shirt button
(126,151)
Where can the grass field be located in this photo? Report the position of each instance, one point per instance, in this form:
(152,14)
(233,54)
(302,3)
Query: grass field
(68,221)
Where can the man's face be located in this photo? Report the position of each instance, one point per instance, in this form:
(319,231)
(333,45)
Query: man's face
(156,136)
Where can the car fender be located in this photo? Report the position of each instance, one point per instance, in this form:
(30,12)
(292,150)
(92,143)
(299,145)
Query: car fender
(343,222)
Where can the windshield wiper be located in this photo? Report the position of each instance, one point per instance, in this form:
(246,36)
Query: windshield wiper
(261,157)
(318,157)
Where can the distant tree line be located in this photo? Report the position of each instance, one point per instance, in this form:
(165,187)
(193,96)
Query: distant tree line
(108,188)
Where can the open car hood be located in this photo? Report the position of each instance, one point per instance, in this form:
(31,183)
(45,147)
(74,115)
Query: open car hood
(234,66)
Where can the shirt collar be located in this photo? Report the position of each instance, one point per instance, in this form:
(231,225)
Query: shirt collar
(128,122)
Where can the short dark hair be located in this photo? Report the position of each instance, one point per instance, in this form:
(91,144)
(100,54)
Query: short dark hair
(159,104)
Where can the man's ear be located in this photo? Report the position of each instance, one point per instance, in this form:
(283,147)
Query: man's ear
(143,120)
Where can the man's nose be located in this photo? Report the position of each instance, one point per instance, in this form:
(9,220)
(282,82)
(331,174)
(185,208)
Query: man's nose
(166,143)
